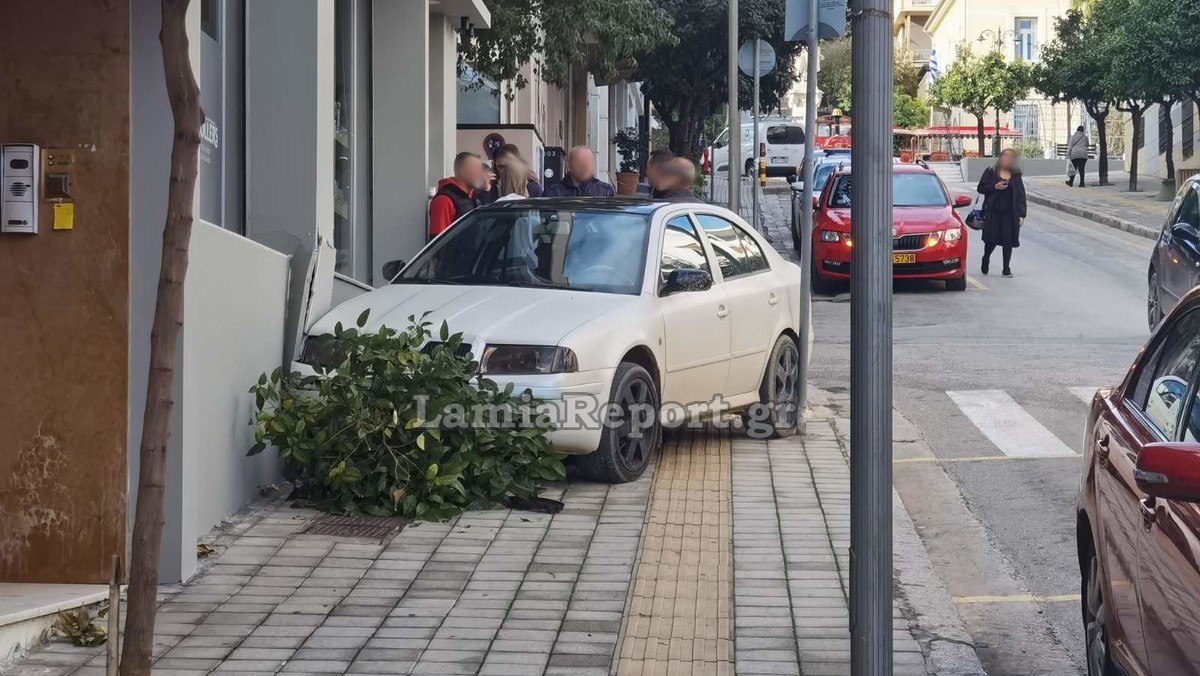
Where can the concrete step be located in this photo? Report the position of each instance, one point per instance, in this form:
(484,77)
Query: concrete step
(949,172)
(28,611)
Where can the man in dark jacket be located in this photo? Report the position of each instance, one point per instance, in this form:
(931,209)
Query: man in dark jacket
(677,178)
(580,180)
(456,195)
(506,152)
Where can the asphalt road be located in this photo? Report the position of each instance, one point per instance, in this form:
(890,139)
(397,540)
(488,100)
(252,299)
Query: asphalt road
(1018,354)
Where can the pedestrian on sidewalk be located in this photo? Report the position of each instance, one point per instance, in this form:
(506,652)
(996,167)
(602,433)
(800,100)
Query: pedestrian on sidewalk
(1004,209)
(457,195)
(507,153)
(655,164)
(580,180)
(676,179)
(512,181)
(1077,153)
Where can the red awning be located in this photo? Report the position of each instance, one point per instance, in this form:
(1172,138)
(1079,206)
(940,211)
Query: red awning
(964,130)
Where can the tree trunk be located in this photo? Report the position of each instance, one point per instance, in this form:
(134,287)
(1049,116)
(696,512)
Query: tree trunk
(1170,141)
(1136,120)
(184,97)
(1102,146)
(982,136)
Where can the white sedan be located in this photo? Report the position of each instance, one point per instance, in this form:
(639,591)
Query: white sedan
(625,305)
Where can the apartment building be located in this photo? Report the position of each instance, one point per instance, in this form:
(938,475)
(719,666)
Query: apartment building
(934,30)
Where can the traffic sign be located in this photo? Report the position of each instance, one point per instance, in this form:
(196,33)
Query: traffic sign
(831,19)
(766,58)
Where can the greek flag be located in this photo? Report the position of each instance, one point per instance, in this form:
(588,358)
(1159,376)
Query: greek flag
(933,65)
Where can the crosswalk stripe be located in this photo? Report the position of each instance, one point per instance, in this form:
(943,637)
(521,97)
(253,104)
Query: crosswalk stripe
(1002,420)
(1085,394)
(979,458)
(1018,598)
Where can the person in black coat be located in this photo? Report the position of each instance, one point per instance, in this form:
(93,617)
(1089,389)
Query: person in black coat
(1004,209)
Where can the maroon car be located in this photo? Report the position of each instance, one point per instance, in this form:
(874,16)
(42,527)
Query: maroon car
(1138,527)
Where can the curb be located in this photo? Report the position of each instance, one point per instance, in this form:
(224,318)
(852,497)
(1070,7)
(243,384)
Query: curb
(922,596)
(1103,219)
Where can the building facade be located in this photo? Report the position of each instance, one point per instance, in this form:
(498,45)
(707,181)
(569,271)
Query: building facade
(1156,143)
(934,30)
(326,122)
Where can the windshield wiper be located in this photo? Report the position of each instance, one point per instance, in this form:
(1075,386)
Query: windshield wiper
(532,285)
(425,280)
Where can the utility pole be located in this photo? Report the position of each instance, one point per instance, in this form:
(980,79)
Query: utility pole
(735,119)
(806,210)
(754,153)
(871,342)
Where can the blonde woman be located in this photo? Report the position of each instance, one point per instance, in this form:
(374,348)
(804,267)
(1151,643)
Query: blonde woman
(512,180)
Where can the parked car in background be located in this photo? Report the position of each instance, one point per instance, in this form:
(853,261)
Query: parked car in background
(1175,262)
(929,240)
(783,145)
(593,301)
(1138,510)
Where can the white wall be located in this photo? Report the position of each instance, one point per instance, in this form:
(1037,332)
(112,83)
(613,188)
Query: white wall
(234,313)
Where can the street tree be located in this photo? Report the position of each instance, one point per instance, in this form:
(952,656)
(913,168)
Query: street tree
(907,111)
(558,36)
(836,74)
(1142,70)
(1072,69)
(184,98)
(834,77)
(686,80)
(979,84)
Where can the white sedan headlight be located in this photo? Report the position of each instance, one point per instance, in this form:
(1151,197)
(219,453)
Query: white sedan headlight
(527,359)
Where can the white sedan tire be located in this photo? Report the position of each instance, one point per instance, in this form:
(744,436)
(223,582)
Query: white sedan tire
(625,450)
(778,404)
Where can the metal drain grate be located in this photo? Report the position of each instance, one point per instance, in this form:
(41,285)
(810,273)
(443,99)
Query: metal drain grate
(370,527)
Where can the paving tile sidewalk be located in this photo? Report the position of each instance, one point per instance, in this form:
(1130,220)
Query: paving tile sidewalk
(1138,213)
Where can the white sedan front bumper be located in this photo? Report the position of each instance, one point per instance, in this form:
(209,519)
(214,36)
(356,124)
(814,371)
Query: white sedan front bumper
(574,401)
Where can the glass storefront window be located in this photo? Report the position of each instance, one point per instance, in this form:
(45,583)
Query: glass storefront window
(352,139)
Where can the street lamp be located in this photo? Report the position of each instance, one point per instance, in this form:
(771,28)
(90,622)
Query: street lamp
(998,38)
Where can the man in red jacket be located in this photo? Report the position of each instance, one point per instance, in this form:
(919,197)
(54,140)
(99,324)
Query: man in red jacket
(456,195)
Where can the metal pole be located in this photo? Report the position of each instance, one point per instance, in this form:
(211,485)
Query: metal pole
(754,148)
(806,223)
(871,342)
(735,126)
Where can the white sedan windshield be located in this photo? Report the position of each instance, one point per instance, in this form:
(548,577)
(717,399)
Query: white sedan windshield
(551,248)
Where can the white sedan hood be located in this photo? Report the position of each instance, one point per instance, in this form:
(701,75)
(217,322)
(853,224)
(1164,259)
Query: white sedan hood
(495,314)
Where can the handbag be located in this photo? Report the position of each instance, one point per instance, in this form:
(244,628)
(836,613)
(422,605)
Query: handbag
(1070,170)
(976,217)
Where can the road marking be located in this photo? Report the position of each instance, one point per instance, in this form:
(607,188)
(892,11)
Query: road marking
(976,284)
(1002,420)
(1018,598)
(983,458)
(1085,394)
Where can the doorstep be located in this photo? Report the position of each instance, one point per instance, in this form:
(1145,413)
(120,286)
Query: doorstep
(27,611)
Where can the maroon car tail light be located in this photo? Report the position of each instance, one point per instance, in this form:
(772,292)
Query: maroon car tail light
(1170,471)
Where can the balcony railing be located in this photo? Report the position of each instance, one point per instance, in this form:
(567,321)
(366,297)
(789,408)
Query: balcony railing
(921,56)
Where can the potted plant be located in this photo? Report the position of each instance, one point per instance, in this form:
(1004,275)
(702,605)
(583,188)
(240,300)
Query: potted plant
(631,145)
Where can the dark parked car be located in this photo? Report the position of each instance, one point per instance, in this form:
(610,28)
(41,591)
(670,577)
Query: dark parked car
(1138,519)
(1175,263)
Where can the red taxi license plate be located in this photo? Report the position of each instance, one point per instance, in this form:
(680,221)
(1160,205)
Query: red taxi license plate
(900,259)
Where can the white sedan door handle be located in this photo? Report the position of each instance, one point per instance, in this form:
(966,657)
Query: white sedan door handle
(722,311)
(772,299)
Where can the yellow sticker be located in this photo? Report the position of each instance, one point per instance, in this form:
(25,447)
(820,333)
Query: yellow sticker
(64,216)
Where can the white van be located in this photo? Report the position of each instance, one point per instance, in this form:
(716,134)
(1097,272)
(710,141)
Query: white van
(784,139)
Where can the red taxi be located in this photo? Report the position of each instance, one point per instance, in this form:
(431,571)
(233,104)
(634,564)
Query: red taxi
(929,240)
